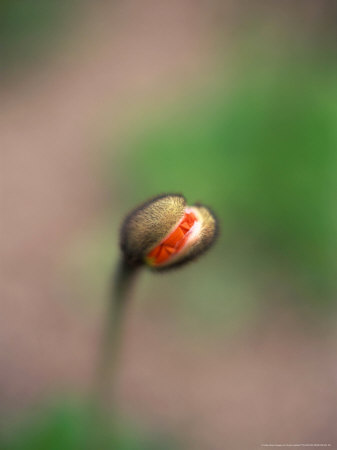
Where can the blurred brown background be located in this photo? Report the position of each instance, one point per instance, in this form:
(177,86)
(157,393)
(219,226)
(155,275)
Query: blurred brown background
(258,364)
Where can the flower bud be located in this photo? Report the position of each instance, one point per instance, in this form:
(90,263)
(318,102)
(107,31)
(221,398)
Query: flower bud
(164,232)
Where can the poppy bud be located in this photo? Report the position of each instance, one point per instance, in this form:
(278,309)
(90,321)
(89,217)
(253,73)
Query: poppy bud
(164,232)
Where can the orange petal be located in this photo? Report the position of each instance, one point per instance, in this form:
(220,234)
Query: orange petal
(173,242)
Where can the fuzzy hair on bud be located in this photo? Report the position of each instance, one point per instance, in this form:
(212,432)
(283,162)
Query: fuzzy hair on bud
(149,223)
(165,233)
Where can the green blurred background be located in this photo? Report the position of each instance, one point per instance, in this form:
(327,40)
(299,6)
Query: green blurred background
(233,105)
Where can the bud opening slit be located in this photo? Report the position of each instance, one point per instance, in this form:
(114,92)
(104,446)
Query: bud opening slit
(183,233)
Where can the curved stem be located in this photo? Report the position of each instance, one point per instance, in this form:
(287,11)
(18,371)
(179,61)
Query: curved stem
(118,299)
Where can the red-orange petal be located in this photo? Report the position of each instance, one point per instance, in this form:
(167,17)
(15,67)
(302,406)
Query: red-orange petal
(173,243)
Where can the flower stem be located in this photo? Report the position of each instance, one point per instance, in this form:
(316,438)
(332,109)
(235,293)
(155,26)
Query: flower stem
(118,299)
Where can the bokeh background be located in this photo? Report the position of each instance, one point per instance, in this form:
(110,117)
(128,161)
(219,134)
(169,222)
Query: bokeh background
(104,104)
